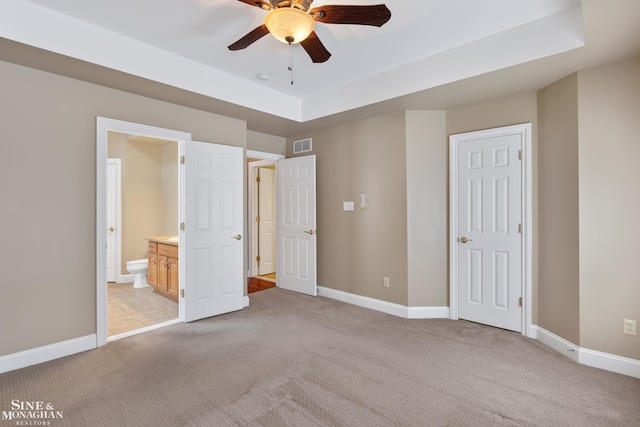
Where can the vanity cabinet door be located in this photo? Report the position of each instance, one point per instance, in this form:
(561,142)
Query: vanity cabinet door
(152,273)
(163,273)
(172,282)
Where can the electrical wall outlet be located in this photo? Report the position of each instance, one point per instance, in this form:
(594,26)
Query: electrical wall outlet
(630,327)
(385,282)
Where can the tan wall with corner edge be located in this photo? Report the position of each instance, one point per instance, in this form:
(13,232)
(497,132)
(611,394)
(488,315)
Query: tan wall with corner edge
(558,209)
(608,153)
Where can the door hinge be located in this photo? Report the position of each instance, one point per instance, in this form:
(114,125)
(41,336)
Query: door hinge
(257,179)
(182,292)
(182,160)
(182,226)
(258,258)
(520,301)
(520,228)
(519,154)
(258,218)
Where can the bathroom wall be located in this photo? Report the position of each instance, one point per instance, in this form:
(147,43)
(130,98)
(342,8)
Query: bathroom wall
(169,187)
(149,199)
(142,195)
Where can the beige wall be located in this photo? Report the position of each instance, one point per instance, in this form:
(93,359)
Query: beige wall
(258,141)
(169,176)
(608,153)
(559,282)
(48,196)
(142,195)
(427,222)
(357,249)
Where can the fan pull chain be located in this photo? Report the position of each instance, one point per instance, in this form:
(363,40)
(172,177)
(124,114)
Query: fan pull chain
(291,61)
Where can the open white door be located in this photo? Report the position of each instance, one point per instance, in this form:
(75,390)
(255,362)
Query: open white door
(113,185)
(267,223)
(297,265)
(213,254)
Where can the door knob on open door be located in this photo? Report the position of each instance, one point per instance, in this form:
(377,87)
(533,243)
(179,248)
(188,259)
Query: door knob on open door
(463,239)
(237,237)
(111,229)
(310,231)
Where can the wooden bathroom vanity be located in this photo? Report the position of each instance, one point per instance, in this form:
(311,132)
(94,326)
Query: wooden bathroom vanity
(163,265)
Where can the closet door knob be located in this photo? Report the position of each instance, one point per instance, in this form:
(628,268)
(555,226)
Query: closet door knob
(463,239)
(237,237)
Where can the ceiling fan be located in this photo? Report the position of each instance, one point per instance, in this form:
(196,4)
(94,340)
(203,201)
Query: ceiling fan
(292,21)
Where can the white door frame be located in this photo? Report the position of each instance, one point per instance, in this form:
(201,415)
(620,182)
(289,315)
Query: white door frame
(103,127)
(266,159)
(525,131)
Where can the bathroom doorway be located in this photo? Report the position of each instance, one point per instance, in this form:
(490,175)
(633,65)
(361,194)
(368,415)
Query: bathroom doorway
(142,212)
(261,169)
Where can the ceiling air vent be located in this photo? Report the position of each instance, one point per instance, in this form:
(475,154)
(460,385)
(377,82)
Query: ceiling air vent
(302,146)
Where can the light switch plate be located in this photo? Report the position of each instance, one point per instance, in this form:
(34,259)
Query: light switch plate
(363,200)
(347,206)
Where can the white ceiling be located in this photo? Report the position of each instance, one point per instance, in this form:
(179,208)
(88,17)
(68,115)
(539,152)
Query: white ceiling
(431,54)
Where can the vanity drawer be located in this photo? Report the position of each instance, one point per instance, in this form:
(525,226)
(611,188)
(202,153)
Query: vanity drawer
(169,251)
(153,248)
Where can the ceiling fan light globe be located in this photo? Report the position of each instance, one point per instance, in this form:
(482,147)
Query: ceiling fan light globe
(287,22)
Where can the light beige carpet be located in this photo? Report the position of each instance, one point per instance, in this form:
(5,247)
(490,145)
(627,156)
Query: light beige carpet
(294,360)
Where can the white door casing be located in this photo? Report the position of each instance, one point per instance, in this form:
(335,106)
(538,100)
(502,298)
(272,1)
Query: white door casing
(103,127)
(297,234)
(490,206)
(267,223)
(213,246)
(113,225)
(263,160)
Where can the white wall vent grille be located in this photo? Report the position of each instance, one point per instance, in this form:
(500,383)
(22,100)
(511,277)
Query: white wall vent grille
(302,146)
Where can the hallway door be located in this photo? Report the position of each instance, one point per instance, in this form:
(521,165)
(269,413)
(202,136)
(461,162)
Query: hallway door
(297,234)
(267,220)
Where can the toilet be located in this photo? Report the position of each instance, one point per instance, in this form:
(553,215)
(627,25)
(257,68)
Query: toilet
(139,268)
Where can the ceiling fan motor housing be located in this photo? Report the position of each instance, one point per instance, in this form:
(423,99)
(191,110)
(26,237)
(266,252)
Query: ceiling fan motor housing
(300,4)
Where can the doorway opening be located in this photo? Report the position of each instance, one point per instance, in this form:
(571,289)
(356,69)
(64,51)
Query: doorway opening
(262,248)
(490,227)
(130,141)
(142,232)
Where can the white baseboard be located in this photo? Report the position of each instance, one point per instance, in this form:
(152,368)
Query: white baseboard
(585,356)
(610,362)
(245,301)
(384,306)
(46,353)
(557,343)
(125,278)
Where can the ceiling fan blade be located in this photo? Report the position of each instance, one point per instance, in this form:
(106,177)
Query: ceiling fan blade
(315,48)
(376,15)
(250,38)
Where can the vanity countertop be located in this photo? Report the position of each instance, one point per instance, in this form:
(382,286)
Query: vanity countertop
(167,240)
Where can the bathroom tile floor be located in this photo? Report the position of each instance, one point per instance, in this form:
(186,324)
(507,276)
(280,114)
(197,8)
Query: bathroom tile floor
(130,309)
